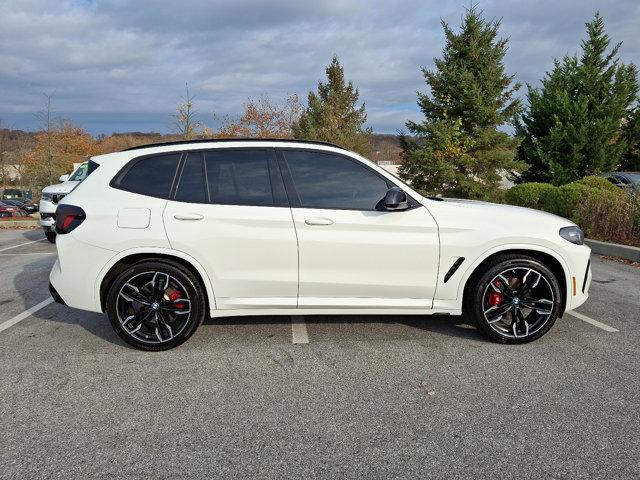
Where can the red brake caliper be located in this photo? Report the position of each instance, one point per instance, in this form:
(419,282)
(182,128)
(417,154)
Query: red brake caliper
(495,298)
(176,294)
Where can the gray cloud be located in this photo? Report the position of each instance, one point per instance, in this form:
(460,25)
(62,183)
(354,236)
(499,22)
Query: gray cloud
(112,62)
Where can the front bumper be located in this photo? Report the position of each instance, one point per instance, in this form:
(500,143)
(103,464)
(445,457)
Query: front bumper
(578,259)
(47,215)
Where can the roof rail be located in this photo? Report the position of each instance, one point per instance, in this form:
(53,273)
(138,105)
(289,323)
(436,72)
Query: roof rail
(222,140)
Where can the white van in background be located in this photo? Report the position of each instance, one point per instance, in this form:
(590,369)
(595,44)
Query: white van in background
(52,194)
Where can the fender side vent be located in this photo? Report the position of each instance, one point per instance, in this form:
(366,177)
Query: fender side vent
(586,274)
(453,268)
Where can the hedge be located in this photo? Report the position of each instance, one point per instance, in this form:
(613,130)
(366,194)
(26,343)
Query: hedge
(602,210)
(530,195)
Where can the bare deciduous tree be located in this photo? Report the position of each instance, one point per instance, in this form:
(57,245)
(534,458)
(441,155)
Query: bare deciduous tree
(186,123)
(45,117)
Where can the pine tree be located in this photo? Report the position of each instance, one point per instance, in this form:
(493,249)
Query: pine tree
(574,123)
(332,114)
(631,158)
(459,150)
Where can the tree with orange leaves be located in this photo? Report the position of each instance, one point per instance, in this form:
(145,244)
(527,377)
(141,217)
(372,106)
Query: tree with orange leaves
(65,144)
(263,118)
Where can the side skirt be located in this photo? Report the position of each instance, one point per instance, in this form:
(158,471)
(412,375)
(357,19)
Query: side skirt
(331,311)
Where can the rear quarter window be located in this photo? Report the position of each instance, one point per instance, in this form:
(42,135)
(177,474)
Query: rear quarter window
(152,176)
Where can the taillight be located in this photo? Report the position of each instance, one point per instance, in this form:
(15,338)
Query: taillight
(68,217)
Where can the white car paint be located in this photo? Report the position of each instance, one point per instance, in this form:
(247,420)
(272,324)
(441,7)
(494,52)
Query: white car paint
(277,260)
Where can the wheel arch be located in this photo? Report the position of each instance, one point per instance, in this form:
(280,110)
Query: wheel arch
(549,258)
(123,261)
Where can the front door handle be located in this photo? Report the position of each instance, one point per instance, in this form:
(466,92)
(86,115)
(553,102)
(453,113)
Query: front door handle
(318,221)
(188,216)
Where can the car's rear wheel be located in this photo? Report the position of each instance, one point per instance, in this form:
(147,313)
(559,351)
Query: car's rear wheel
(155,305)
(515,299)
(51,236)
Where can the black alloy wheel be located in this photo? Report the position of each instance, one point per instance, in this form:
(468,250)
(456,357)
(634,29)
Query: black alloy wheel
(155,305)
(516,300)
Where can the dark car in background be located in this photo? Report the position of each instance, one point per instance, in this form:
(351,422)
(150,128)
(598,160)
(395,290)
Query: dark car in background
(27,207)
(16,194)
(7,211)
(629,181)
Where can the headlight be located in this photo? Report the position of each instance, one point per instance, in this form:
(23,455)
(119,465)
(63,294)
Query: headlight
(47,197)
(573,235)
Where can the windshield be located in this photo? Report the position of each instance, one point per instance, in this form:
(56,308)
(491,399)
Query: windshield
(80,174)
(634,177)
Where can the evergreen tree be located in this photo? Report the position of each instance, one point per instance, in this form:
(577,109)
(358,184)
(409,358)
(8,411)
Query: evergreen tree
(631,158)
(574,124)
(459,150)
(332,114)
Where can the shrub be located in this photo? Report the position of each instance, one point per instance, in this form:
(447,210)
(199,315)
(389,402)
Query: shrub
(531,195)
(600,183)
(602,210)
(606,215)
(564,200)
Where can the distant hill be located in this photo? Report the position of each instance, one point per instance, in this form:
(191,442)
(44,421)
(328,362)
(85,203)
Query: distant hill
(385,148)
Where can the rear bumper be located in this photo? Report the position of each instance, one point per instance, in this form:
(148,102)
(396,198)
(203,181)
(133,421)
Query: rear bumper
(73,273)
(55,295)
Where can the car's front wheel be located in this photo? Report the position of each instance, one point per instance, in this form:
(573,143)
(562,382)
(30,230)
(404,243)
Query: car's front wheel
(155,305)
(515,299)
(51,236)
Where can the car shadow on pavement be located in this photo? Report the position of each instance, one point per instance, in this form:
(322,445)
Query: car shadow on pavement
(32,284)
(29,235)
(453,326)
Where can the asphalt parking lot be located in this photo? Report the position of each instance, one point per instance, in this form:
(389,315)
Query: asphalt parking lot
(354,397)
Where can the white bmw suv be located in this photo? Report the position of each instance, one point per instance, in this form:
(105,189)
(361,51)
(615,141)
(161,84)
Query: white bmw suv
(163,236)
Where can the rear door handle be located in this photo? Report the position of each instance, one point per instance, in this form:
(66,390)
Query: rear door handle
(188,216)
(318,221)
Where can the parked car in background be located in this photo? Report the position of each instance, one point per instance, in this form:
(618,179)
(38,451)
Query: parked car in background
(16,194)
(629,181)
(28,207)
(163,236)
(7,211)
(52,194)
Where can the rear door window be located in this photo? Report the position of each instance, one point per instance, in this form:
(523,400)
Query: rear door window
(239,177)
(191,186)
(152,176)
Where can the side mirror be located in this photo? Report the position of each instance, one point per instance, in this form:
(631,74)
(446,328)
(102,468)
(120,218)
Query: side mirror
(395,199)
(63,178)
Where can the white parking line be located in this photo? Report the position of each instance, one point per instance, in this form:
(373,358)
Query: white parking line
(21,245)
(593,322)
(299,329)
(26,314)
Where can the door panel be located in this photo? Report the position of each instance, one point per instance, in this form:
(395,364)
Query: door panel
(249,252)
(233,220)
(362,259)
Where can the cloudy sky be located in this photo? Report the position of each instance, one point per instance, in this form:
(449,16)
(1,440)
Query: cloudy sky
(121,65)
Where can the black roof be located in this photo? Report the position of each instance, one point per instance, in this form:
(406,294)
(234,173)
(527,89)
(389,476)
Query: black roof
(222,140)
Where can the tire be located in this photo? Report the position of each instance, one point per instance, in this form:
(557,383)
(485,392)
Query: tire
(152,321)
(51,236)
(504,285)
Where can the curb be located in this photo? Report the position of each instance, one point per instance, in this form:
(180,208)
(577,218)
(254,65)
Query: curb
(19,223)
(614,250)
